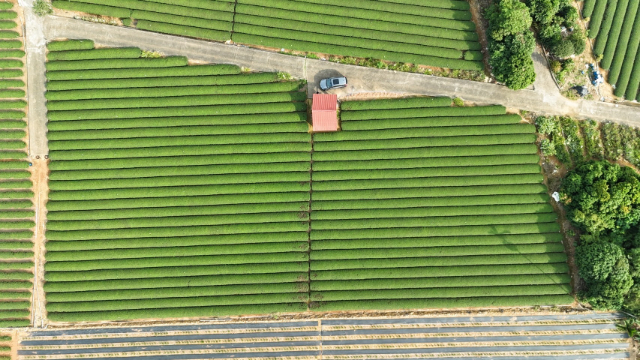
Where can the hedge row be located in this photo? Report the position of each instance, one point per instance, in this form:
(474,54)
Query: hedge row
(177,111)
(164,92)
(251,250)
(394,104)
(158,284)
(618,57)
(91,8)
(183,30)
(426,163)
(603,34)
(424,152)
(191,23)
(70,45)
(369,115)
(153,73)
(250,130)
(169,61)
(425,242)
(199,311)
(496,301)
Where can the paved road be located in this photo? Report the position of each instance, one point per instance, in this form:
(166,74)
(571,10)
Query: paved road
(559,337)
(35,48)
(544,98)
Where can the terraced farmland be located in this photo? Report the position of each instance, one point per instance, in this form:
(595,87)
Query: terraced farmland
(176,190)
(417,204)
(615,26)
(16,207)
(438,33)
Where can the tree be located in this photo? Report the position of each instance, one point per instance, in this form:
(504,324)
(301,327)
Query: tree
(507,17)
(579,41)
(605,269)
(547,148)
(511,60)
(544,10)
(563,48)
(603,199)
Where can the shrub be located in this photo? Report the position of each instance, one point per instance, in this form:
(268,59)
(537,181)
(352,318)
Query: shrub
(42,8)
(547,148)
(563,49)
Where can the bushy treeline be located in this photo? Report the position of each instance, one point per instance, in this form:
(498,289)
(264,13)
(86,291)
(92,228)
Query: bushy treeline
(555,21)
(511,43)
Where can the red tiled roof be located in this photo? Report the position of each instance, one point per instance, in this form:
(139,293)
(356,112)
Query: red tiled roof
(324,112)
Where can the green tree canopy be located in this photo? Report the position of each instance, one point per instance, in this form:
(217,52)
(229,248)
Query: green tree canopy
(511,60)
(507,17)
(603,199)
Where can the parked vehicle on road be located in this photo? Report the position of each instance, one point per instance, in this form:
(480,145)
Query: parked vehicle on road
(333,83)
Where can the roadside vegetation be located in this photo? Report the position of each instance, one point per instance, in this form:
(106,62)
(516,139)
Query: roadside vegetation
(601,196)
(511,43)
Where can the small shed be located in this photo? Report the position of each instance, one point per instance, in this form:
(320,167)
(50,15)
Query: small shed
(324,112)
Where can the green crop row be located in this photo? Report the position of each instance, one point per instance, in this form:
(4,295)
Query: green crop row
(451,282)
(426,162)
(153,73)
(623,63)
(426,202)
(467,33)
(442,221)
(252,251)
(178,292)
(170,61)
(434,152)
(11,54)
(619,38)
(353,43)
(459,263)
(154,141)
(425,16)
(178,312)
(10,73)
(70,45)
(362,34)
(384,114)
(156,284)
(438,192)
(153,82)
(430,212)
(8,34)
(162,211)
(130,163)
(434,252)
(208,240)
(239,131)
(412,102)
(192,24)
(179,171)
(169,181)
(426,231)
(417,243)
(168,92)
(238,109)
(597,17)
(522,300)
(91,8)
(181,30)
(225,123)
(180,150)
(223,12)
(6,25)
(94,54)
(603,34)
(425,172)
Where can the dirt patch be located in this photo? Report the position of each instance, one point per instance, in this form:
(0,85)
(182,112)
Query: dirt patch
(39,176)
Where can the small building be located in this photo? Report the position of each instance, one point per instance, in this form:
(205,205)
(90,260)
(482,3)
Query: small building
(324,113)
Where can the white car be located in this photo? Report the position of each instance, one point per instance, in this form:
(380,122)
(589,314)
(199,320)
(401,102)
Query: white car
(333,83)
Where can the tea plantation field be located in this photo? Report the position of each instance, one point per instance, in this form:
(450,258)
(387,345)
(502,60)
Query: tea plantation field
(16,207)
(615,26)
(186,191)
(416,204)
(438,33)
(173,181)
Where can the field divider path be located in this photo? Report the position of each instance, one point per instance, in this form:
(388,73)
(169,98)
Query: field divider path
(362,79)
